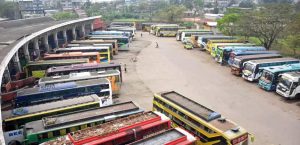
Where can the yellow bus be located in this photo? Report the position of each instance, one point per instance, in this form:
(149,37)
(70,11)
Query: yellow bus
(208,126)
(210,43)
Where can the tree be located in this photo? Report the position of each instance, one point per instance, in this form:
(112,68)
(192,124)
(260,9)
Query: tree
(227,24)
(8,10)
(276,1)
(246,4)
(64,16)
(292,36)
(171,13)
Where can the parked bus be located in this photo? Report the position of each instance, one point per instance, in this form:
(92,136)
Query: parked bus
(237,65)
(37,69)
(88,67)
(123,41)
(288,85)
(223,53)
(215,46)
(42,94)
(269,78)
(211,44)
(14,119)
(167,31)
(175,136)
(234,54)
(154,27)
(194,40)
(103,51)
(93,57)
(52,127)
(113,76)
(128,34)
(122,131)
(146,27)
(186,36)
(252,70)
(208,126)
(203,40)
(130,30)
(179,32)
(97,42)
(122,24)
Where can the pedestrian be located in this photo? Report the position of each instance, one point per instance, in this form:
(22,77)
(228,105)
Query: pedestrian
(125,69)
(156,45)
(141,34)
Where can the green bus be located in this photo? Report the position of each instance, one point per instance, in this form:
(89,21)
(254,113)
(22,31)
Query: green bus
(49,128)
(37,69)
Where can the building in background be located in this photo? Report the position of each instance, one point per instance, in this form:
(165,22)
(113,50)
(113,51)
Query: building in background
(31,8)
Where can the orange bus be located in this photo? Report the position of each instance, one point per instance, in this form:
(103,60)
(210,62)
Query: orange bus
(92,56)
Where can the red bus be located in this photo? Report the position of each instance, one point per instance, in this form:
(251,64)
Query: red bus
(92,56)
(120,131)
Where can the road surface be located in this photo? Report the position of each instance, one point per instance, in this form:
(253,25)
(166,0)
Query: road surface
(273,120)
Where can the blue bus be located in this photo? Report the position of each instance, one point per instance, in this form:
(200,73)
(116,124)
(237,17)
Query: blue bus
(252,70)
(223,53)
(52,92)
(269,78)
(234,54)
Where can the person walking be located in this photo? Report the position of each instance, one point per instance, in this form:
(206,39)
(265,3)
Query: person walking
(156,45)
(141,34)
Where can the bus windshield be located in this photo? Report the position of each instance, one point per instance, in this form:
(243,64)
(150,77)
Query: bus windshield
(236,63)
(285,82)
(249,67)
(267,77)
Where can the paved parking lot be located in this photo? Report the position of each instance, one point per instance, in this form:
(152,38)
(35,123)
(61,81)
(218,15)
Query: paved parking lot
(194,74)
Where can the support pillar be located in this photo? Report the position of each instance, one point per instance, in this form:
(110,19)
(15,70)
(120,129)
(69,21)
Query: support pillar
(26,52)
(17,63)
(36,48)
(55,39)
(7,74)
(65,36)
(92,27)
(74,33)
(83,30)
(46,43)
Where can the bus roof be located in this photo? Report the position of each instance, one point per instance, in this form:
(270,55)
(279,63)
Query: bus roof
(254,52)
(107,36)
(67,61)
(19,112)
(216,37)
(61,86)
(260,61)
(82,66)
(239,47)
(192,106)
(70,54)
(82,48)
(234,44)
(283,68)
(78,76)
(194,30)
(293,75)
(200,111)
(80,117)
(90,45)
(93,41)
(245,57)
(161,138)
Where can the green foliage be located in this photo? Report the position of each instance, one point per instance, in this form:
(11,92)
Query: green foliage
(188,24)
(172,13)
(227,24)
(276,1)
(7,9)
(64,16)
(246,4)
(266,24)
